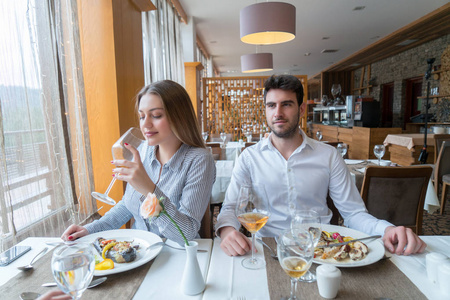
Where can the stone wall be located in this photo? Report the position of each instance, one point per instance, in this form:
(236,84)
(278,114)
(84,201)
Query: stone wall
(398,68)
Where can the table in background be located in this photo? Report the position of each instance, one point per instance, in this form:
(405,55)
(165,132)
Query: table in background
(431,203)
(405,149)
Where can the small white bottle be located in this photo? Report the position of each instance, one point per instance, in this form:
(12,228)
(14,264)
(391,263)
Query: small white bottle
(328,281)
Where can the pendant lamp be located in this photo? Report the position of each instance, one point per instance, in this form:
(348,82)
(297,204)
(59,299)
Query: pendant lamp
(256,62)
(267,23)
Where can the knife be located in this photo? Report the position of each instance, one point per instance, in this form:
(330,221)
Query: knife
(345,243)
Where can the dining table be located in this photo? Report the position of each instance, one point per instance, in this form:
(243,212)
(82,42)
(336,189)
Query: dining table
(357,170)
(393,277)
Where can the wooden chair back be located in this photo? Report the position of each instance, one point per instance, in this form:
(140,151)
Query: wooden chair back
(438,139)
(397,194)
(442,165)
(216,150)
(206,227)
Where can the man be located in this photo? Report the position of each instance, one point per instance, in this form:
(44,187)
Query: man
(298,172)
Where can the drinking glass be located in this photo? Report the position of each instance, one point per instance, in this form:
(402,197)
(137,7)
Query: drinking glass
(249,136)
(307,220)
(379,151)
(223,136)
(336,92)
(205,135)
(324,101)
(342,149)
(295,254)
(73,267)
(252,210)
(133,137)
(319,135)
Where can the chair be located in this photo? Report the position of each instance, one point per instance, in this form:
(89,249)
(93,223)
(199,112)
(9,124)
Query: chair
(248,144)
(397,194)
(442,172)
(206,227)
(216,150)
(438,139)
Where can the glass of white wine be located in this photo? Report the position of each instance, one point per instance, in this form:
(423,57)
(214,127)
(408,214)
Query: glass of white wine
(252,210)
(133,137)
(73,267)
(379,151)
(307,220)
(295,255)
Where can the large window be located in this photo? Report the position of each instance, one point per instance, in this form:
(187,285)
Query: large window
(44,184)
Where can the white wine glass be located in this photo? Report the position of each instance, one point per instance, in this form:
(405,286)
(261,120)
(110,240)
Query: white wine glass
(342,149)
(295,255)
(133,137)
(379,151)
(73,267)
(252,210)
(308,220)
(205,135)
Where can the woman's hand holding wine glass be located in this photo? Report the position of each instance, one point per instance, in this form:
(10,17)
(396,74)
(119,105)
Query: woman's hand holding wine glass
(252,210)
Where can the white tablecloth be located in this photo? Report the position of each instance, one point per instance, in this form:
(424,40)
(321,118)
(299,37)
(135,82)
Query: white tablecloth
(224,169)
(232,151)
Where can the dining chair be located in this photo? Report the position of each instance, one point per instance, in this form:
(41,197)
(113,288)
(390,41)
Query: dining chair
(216,150)
(396,194)
(442,172)
(206,227)
(248,144)
(438,139)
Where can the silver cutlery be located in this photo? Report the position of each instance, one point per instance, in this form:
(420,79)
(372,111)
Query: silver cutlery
(93,283)
(348,242)
(29,296)
(158,244)
(271,252)
(30,265)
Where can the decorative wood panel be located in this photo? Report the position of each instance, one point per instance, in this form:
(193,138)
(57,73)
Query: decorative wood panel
(235,105)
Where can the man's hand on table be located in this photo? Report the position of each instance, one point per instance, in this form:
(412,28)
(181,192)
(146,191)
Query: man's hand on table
(74,232)
(234,243)
(395,239)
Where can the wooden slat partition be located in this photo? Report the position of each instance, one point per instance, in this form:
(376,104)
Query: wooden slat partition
(236,104)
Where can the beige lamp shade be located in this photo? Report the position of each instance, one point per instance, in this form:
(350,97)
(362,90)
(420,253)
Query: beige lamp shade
(256,62)
(267,23)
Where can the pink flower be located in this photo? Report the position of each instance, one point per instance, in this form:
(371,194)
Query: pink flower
(150,208)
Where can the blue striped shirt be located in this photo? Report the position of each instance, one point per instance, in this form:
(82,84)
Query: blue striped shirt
(186,182)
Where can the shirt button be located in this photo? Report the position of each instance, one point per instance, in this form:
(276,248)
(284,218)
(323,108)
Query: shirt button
(292,188)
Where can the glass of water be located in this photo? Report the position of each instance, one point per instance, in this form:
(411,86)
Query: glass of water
(73,267)
(379,151)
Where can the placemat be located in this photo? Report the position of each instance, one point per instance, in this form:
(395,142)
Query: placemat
(118,286)
(379,280)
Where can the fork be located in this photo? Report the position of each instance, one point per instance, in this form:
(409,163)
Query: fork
(271,252)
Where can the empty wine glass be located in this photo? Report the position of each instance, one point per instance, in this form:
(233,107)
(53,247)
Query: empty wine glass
(319,135)
(133,137)
(252,210)
(295,254)
(249,136)
(223,136)
(324,101)
(205,135)
(308,220)
(379,151)
(342,149)
(336,92)
(73,267)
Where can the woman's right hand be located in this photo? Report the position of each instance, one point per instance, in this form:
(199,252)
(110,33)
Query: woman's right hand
(74,232)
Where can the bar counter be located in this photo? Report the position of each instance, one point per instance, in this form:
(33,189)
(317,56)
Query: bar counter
(360,140)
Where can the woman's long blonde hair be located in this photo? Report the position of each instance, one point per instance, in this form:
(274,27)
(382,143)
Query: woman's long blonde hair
(179,110)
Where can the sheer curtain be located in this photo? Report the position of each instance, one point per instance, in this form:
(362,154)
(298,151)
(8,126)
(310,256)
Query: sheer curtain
(163,52)
(44,144)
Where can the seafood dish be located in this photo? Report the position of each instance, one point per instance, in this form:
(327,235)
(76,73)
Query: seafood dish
(117,251)
(351,252)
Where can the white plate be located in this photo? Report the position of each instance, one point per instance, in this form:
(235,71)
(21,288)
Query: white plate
(376,248)
(353,161)
(141,237)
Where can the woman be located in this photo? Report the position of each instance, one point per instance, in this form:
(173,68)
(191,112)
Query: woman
(174,165)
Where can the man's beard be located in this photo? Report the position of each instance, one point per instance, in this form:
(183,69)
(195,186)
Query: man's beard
(290,132)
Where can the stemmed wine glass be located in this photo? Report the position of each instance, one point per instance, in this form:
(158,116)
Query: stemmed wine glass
(249,136)
(295,254)
(133,137)
(379,151)
(73,267)
(319,135)
(324,101)
(252,210)
(342,149)
(308,220)
(223,136)
(336,92)
(205,135)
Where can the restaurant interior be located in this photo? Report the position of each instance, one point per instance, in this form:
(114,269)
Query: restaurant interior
(376,80)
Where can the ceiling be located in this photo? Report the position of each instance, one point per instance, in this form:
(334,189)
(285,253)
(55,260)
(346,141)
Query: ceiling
(360,36)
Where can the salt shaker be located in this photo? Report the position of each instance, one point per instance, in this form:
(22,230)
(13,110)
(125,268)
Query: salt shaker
(444,278)
(433,260)
(328,280)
